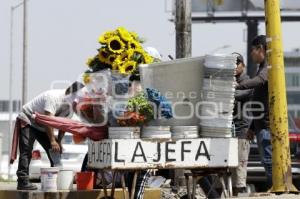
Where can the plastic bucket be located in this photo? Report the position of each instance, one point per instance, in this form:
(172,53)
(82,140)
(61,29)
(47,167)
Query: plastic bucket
(65,180)
(85,180)
(49,178)
(181,132)
(156,132)
(124,132)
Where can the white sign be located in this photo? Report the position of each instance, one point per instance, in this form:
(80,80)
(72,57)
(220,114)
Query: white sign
(241,5)
(182,153)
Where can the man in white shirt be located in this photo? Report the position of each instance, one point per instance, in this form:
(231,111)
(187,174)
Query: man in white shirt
(53,103)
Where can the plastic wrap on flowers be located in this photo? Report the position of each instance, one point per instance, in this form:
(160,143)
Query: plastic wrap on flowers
(120,85)
(92,102)
(140,108)
(138,111)
(99,83)
(160,101)
(117,111)
(92,110)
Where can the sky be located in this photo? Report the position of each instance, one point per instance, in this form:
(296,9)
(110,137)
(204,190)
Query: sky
(62,34)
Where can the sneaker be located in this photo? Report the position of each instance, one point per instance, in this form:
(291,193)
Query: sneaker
(238,190)
(24,184)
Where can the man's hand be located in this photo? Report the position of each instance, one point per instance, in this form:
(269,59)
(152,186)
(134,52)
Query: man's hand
(235,84)
(55,147)
(250,134)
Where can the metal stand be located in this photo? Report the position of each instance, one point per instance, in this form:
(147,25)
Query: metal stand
(104,184)
(224,175)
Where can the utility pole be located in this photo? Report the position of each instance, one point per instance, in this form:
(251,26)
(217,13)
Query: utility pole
(24,74)
(10,108)
(183,27)
(252,32)
(281,158)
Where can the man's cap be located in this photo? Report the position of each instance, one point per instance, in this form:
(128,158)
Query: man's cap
(239,57)
(74,87)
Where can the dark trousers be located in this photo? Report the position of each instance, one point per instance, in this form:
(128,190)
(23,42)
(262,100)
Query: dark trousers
(265,151)
(206,184)
(26,140)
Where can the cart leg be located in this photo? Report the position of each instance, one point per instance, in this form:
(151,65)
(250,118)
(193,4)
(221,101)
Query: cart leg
(229,182)
(123,185)
(133,185)
(104,184)
(223,185)
(113,184)
(194,186)
(188,186)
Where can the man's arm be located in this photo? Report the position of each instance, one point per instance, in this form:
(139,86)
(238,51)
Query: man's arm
(243,94)
(258,80)
(49,130)
(61,134)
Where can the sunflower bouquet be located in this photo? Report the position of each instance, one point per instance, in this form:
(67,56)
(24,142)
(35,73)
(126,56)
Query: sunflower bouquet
(121,51)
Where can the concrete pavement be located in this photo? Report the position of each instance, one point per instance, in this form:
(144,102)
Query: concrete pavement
(8,191)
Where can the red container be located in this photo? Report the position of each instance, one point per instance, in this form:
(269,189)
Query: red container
(85,180)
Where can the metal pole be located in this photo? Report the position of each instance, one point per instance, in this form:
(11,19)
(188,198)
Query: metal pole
(183,26)
(252,32)
(24,76)
(10,88)
(281,158)
(11,64)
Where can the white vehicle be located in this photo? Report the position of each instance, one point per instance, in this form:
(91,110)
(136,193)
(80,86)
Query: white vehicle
(4,167)
(71,158)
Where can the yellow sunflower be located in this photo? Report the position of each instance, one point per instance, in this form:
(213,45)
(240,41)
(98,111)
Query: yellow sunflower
(115,44)
(147,59)
(142,57)
(86,78)
(130,53)
(137,55)
(124,34)
(103,55)
(89,61)
(104,37)
(116,64)
(134,44)
(128,67)
(134,35)
(111,58)
(124,56)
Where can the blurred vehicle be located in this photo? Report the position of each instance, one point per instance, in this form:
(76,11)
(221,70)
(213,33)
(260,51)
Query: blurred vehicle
(71,158)
(4,168)
(256,173)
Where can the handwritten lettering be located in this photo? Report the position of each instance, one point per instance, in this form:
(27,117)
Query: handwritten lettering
(142,154)
(205,153)
(116,153)
(168,150)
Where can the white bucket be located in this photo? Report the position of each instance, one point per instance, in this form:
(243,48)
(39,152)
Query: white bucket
(156,132)
(124,132)
(65,180)
(181,132)
(49,178)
